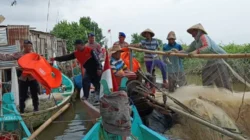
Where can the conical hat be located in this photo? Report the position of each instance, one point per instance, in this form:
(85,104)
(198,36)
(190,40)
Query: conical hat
(196,27)
(171,35)
(1,18)
(148,31)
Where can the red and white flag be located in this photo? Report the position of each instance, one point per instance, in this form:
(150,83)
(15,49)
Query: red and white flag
(108,76)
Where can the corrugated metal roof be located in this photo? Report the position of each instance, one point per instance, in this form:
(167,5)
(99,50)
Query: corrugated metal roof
(17,32)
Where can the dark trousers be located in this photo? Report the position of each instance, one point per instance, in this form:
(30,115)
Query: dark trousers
(23,93)
(86,82)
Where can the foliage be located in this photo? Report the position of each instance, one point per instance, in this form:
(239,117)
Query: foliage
(74,30)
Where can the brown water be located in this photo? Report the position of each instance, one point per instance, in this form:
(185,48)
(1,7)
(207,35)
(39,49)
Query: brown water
(71,125)
(74,124)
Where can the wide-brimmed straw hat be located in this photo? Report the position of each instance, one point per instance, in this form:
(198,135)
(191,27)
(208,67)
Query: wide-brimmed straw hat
(148,31)
(115,49)
(196,27)
(171,35)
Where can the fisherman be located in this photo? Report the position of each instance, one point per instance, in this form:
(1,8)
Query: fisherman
(94,45)
(117,64)
(121,41)
(176,75)
(25,82)
(152,60)
(89,60)
(215,71)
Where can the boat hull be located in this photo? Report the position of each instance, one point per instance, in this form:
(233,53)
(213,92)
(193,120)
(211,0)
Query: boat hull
(139,130)
(35,119)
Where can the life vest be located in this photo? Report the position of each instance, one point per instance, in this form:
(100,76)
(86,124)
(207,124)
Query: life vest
(125,56)
(37,66)
(84,55)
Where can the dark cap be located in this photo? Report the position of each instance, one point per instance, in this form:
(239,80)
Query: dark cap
(27,42)
(78,42)
(122,34)
(91,34)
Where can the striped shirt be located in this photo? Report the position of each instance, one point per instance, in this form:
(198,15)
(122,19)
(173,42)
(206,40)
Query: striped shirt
(150,45)
(117,65)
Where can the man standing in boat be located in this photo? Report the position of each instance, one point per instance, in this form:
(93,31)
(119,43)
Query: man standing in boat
(175,69)
(25,82)
(215,71)
(152,60)
(121,41)
(88,59)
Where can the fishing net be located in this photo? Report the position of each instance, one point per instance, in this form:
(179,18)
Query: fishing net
(218,91)
(45,102)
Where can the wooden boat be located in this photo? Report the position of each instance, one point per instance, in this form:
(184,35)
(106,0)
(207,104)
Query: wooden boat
(139,130)
(12,125)
(34,119)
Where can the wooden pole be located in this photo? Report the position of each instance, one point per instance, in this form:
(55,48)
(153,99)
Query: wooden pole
(246,55)
(48,122)
(161,106)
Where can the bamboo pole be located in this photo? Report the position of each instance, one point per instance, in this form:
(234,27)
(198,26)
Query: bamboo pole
(212,126)
(245,55)
(198,120)
(48,122)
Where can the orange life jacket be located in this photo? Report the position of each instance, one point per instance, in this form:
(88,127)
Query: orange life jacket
(84,55)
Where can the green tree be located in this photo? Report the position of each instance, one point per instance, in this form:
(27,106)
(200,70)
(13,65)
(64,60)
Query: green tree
(136,38)
(74,30)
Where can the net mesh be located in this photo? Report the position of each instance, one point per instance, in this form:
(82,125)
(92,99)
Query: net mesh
(218,90)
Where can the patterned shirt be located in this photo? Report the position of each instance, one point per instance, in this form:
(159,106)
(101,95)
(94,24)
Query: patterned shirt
(16,56)
(124,44)
(150,45)
(117,65)
(96,47)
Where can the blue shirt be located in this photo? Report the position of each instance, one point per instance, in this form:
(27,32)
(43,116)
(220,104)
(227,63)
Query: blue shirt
(176,62)
(117,65)
(150,45)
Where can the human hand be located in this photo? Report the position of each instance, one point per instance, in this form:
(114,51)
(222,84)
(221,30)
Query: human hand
(52,59)
(174,50)
(99,72)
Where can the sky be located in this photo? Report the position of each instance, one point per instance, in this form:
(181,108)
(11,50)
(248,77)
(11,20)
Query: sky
(226,21)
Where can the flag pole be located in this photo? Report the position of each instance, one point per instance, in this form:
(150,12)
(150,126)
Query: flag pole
(111,38)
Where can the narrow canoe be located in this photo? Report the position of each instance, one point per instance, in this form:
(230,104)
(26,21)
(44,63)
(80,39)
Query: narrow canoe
(12,125)
(139,130)
(35,119)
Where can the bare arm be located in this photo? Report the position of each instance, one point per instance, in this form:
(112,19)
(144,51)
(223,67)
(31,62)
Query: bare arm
(10,57)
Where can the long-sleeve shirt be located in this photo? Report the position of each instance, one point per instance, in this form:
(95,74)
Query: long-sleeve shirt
(205,45)
(91,66)
(16,56)
(117,65)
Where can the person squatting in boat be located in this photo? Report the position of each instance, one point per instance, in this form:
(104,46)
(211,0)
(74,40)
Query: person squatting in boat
(88,59)
(24,82)
(117,64)
(215,71)
(175,70)
(152,60)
